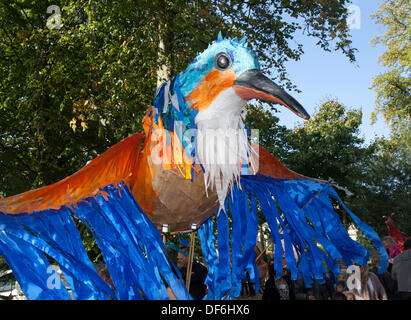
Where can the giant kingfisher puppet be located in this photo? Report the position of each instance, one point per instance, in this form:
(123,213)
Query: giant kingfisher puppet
(194,165)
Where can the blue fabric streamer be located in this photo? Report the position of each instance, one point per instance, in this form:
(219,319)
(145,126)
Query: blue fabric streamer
(207,242)
(131,246)
(249,244)
(369,233)
(299,213)
(54,234)
(268,208)
(237,238)
(306,218)
(183,242)
(223,274)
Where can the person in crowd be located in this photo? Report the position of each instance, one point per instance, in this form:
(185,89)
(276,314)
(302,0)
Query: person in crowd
(247,287)
(318,291)
(370,288)
(271,292)
(198,276)
(287,277)
(302,292)
(282,286)
(323,290)
(261,263)
(385,278)
(340,286)
(401,272)
(393,250)
(339,296)
(349,295)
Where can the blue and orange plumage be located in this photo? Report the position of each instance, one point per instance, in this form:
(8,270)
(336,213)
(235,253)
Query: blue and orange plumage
(121,188)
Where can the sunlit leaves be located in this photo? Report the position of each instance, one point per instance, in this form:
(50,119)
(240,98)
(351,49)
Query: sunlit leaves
(393,87)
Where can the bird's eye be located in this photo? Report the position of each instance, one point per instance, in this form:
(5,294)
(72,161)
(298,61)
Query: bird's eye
(222,61)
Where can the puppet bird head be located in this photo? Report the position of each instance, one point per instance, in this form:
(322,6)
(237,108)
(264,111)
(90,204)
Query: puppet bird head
(202,112)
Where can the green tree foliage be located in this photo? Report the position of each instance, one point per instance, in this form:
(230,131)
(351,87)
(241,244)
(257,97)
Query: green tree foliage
(271,134)
(377,176)
(270,27)
(327,145)
(393,87)
(388,176)
(385,186)
(68,94)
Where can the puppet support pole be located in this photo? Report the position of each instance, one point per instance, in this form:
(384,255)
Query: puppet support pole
(190,260)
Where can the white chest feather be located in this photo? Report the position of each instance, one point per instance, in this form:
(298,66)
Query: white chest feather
(222,145)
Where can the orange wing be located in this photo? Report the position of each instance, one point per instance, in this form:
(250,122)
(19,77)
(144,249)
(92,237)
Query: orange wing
(272,167)
(121,163)
(115,165)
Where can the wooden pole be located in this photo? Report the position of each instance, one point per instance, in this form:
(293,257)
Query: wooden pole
(164,230)
(190,260)
(262,252)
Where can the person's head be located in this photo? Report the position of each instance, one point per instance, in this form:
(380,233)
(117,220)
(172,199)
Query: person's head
(340,286)
(364,272)
(343,275)
(339,296)
(349,295)
(388,242)
(407,244)
(182,260)
(375,259)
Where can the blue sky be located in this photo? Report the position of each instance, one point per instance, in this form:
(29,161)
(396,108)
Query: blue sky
(320,74)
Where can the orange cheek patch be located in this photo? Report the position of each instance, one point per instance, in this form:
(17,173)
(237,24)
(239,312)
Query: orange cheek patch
(209,88)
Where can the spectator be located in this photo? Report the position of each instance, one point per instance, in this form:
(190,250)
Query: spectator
(401,272)
(392,249)
(290,283)
(349,295)
(301,291)
(198,276)
(282,286)
(318,291)
(371,288)
(261,263)
(270,289)
(247,287)
(340,286)
(339,296)
(323,291)
(385,278)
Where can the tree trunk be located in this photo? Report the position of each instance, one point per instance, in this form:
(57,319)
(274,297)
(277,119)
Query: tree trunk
(162,20)
(163,70)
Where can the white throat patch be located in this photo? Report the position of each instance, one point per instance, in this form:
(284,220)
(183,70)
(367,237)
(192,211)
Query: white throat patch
(222,145)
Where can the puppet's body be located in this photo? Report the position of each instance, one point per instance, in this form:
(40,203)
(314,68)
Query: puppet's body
(165,196)
(195,159)
(167,177)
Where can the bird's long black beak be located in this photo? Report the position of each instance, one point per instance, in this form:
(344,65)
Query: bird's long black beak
(252,84)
